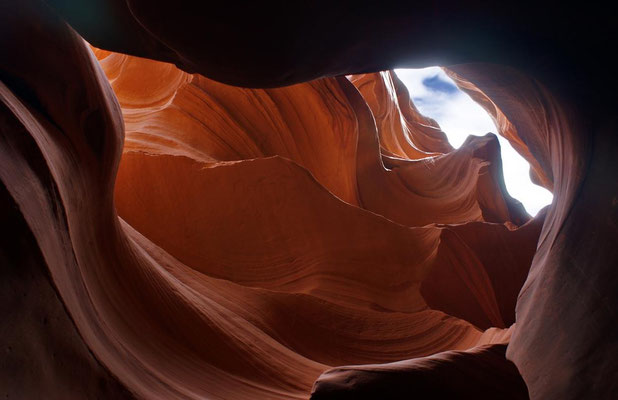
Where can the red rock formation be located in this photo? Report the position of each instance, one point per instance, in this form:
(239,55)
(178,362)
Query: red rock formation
(570,267)
(479,373)
(251,239)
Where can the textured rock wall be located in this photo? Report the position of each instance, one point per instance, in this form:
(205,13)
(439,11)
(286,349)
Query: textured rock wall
(192,239)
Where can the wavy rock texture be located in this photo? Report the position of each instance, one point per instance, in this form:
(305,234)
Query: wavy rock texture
(243,242)
(577,245)
(481,372)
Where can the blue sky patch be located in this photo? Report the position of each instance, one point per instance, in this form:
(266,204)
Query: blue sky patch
(438,84)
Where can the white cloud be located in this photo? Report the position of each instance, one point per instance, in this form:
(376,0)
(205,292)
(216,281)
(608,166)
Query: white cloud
(460,116)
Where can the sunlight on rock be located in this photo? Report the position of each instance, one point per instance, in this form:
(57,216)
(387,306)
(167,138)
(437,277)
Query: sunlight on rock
(437,96)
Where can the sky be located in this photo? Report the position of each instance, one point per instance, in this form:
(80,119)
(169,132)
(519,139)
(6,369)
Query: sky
(436,96)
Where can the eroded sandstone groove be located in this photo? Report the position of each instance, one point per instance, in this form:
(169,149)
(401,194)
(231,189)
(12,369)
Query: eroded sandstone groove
(171,236)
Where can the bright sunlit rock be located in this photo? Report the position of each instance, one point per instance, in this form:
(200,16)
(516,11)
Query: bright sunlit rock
(437,96)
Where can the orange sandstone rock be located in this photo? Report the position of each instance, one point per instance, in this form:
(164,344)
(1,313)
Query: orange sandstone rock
(182,238)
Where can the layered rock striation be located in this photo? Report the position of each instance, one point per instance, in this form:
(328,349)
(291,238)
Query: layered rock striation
(173,236)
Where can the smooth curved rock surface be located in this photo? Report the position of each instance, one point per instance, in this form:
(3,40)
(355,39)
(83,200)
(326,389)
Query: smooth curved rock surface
(274,44)
(42,351)
(566,332)
(251,239)
(479,373)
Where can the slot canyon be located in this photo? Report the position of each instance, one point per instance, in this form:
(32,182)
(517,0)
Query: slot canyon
(208,200)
